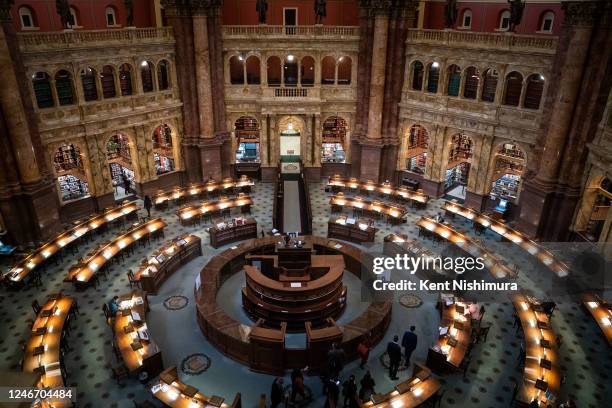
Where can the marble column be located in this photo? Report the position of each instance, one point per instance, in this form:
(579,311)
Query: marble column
(377,76)
(203,80)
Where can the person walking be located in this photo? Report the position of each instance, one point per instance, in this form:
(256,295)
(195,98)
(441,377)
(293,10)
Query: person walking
(276,394)
(335,360)
(363,349)
(349,390)
(126,184)
(409,343)
(367,387)
(297,384)
(147,205)
(395,357)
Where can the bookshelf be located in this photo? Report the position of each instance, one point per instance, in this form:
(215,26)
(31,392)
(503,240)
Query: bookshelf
(461,149)
(162,136)
(247,129)
(506,186)
(417,163)
(67,157)
(457,175)
(117,172)
(72,188)
(333,137)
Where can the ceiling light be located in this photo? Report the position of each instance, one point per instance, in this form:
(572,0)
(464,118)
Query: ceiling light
(435,64)
(290,57)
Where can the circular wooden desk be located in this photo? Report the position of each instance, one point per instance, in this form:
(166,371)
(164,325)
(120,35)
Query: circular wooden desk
(234,338)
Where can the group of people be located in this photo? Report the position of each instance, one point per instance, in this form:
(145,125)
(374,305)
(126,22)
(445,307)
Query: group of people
(394,350)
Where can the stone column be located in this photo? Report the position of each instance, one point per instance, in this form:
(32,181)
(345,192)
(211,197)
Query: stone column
(263,140)
(571,61)
(318,134)
(203,81)
(377,76)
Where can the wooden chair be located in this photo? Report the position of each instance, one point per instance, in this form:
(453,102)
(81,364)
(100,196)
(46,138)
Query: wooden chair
(436,399)
(144,404)
(119,373)
(133,281)
(482,334)
(107,314)
(36,307)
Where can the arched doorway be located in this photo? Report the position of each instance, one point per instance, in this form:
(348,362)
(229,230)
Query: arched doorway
(246,129)
(458,167)
(70,172)
(333,140)
(163,153)
(119,159)
(508,168)
(416,149)
(290,130)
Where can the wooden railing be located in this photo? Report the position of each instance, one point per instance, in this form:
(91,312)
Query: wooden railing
(267,31)
(305,207)
(31,42)
(503,41)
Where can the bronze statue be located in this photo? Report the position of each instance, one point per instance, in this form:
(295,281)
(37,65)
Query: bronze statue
(63,10)
(262,8)
(129,8)
(516,12)
(450,13)
(320,10)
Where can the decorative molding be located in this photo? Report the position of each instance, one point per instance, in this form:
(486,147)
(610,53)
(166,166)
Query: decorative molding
(5,10)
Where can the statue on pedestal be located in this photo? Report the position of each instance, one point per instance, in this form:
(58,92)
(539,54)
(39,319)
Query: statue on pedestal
(320,7)
(450,13)
(63,10)
(262,9)
(129,8)
(516,13)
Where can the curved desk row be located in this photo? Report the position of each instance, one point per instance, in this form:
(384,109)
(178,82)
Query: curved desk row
(42,353)
(408,394)
(494,265)
(542,374)
(237,229)
(392,211)
(162,198)
(509,234)
(174,393)
(190,214)
(601,311)
(81,274)
(400,244)
(46,251)
(232,338)
(416,197)
(154,270)
(137,349)
(349,229)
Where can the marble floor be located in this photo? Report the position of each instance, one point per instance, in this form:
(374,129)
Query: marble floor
(586,360)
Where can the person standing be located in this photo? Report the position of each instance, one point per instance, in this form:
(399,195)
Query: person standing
(297,384)
(409,343)
(335,360)
(367,387)
(147,205)
(395,357)
(363,349)
(349,390)
(126,184)
(276,394)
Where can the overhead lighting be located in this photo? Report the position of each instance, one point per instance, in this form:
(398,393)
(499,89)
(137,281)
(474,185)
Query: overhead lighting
(541,77)
(144,64)
(435,64)
(240,57)
(290,57)
(341,58)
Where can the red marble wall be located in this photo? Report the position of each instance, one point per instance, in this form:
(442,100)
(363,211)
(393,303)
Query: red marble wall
(339,12)
(485,16)
(90,13)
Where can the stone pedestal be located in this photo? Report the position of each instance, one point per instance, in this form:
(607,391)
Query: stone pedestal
(433,188)
(370,161)
(475,201)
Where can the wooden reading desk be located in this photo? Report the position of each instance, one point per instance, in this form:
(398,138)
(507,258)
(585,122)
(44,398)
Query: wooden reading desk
(190,214)
(400,244)
(601,311)
(417,198)
(83,272)
(349,229)
(162,198)
(394,212)
(237,229)
(509,234)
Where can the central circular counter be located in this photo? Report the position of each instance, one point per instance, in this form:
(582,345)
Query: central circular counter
(261,346)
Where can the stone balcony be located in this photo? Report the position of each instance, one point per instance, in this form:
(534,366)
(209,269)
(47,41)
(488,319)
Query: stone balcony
(269,32)
(264,94)
(92,39)
(503,41)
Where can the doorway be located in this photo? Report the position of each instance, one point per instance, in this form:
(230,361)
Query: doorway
(290,20)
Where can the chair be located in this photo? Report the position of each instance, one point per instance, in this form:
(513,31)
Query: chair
(482,334)
(133,281)
(143,404)
(107,314)
(36,307)
(119,373)
(436,399)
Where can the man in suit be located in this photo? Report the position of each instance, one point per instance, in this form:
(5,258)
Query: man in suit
(409,343)
(395,357)
(276,394)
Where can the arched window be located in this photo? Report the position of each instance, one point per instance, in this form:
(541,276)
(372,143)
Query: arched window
(70,173)
(111,17)
(246,129)
(236,70)
(163,75)
(417,75)
(416,149)
(308,71)
(90,87)
(291,70)
(504,20)
(108,82)
(26,16)
(433,75)
(472,77)
(73,20)
(467,19)
(42,90)
(146,74)
(454,80)
(512,89)
(345,65)
(119,159)
(489,85)
(63,87)
(333,140)
(533,93)
(546,22)
(328,71)
(510,163)
(125,79)
(163,153)
(274,71)
(253,70)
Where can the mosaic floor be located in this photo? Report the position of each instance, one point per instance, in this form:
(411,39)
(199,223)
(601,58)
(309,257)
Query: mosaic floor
(586,360)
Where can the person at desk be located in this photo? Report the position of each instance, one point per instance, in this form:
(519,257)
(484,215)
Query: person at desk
(409,343)
(276,393)
(395,357)
(113,306)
